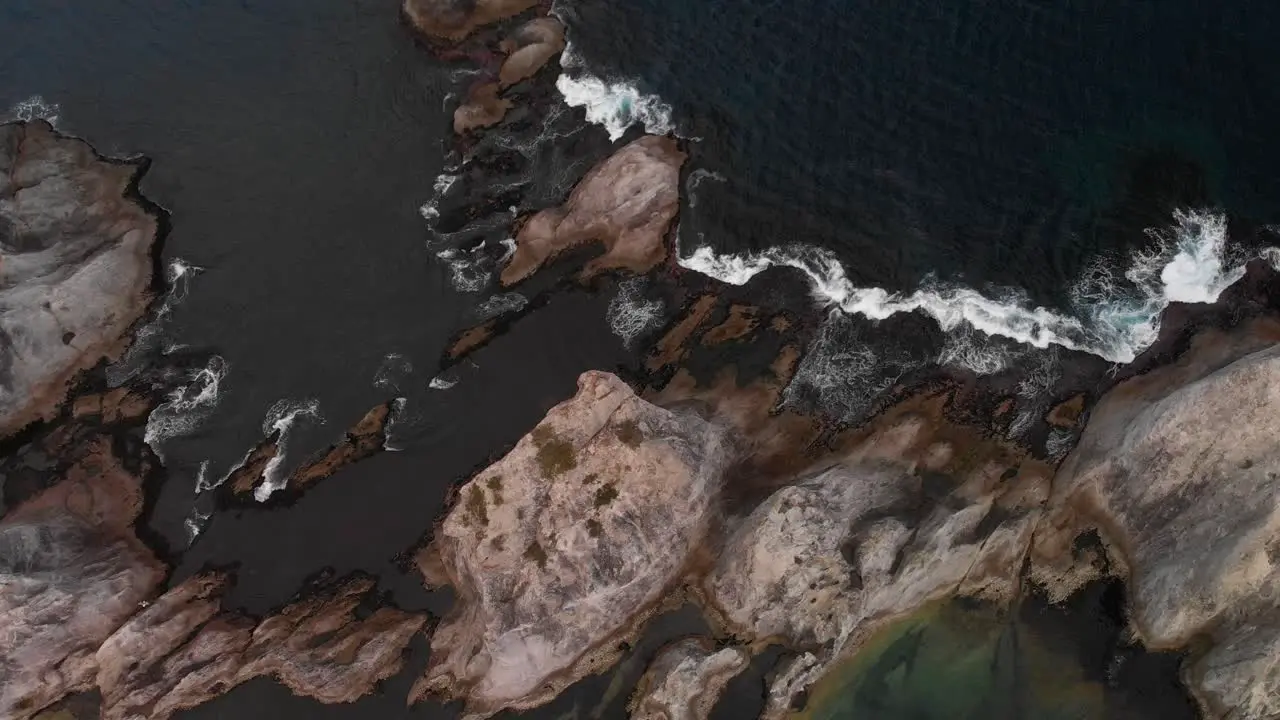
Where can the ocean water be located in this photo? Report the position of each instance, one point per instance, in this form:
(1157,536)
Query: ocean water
(1053,174)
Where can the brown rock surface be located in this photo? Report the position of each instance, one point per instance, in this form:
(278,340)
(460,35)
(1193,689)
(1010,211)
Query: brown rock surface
(1180,471)
(559,549)
(627,203)
(529,49)
(483,108)
(75,265)
(451,21)
(686,679)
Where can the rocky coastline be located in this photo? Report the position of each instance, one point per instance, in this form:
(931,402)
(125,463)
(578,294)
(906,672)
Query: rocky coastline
(694,476)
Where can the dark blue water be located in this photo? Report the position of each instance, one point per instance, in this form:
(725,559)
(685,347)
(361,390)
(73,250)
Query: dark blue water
(990,141)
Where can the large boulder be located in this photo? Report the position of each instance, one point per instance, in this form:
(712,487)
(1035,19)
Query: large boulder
(75,265)
(1180,471)
(626,203)
(558,550)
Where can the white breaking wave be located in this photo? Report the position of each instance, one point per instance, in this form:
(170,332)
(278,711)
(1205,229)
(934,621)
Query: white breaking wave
(393,420)
(630,314)
(444,181)
(441,382)
(281,418)
(35,108)
(1115,319)
(613,103)
(187,406)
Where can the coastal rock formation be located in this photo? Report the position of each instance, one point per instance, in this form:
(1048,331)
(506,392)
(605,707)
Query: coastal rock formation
(1180,471)
(366,438)
(904,519)
(484,108)
(75,265)
(627,203)
(561,548)
(179,653)
(71,571)
(529,49)
(686,679)
(451,21)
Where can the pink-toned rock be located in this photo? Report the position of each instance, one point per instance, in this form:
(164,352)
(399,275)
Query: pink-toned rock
(560,548)
(627,203)
(451,21)
(529,49)
(75,265)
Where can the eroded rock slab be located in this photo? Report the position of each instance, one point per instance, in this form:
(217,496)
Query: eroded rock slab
(1180,470)
(686,679)
(560,548)
(627,203)
(75,265)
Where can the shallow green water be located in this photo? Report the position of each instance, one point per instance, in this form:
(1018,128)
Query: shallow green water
(961,662)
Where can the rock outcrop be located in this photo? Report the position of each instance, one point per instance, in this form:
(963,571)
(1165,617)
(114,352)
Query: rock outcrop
(529,49)
(563,546)
(906,518)
(627,203)
(1179,470)
(686,679)
(75,265)
(451,21)
(180,652)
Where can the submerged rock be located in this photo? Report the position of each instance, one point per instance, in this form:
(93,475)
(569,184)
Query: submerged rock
(686,679)
(627,203)
(529,49)
(562,547)
(453,20)
(1180,471)
(75,265)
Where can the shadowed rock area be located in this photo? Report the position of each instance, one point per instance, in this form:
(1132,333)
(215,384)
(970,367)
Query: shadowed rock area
(75,265)
(559,549)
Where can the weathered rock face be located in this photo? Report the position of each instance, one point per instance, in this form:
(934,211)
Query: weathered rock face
(179,652)
(900,522)
(483,108)
(453,20)
(1180,469)
(71,571)
(561,547)
(75,265)
(627,203)
(686,679)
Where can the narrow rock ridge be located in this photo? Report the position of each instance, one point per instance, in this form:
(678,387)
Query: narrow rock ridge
(686,679)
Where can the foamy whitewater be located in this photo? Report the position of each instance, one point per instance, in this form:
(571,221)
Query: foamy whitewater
(630,314)
(1116,318)
(186,406)
(613,103)
(281,418)
(34,108)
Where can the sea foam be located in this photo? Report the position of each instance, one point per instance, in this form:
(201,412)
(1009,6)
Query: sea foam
(35,108)
(613,103)
(186,406)
(281,418)
(630,314)
(1115,316)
